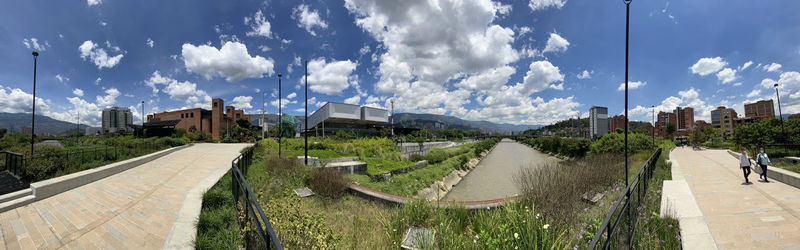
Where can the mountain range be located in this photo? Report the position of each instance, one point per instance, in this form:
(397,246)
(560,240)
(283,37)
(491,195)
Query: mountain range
(44,125)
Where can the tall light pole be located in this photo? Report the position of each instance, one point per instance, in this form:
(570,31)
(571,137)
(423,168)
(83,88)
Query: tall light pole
(263,118)
(33,110)
(780,115)
(392,100)
(305,120)
(627,31)
(280,116)
(653,132)
(143,119)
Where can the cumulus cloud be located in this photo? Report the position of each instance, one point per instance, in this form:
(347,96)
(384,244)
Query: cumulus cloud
(283,103)
(772,67)
(686,98)
(631,85)
(77,92)
(242,102)
(182,91)
(754,93)
(356,99)
(544,4)
(99,56)
(94,2)
(259,25)
(489,80)
(745,65)
(556,43)
(541,75)
(308,19)
(585,75)
(332,77)
(61,78)
(707,65)
(14,100)
(727,75)
(149,43)
(789,88)
(33,43)
(231,61)
(292,95)
(109,99)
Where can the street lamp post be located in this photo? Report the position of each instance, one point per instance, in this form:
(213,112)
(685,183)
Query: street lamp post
(627,31)
(305,120)
(780,115)
(263,118)
(653,132)
(280,116)
(33,110)
(143,115)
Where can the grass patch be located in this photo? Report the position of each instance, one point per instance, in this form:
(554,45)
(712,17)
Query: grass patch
(791,167)
(387,165)
(216,226)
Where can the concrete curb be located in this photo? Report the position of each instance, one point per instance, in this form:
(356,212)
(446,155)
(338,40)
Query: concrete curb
(396,200)
(46,188)
(677,200)
(775,173)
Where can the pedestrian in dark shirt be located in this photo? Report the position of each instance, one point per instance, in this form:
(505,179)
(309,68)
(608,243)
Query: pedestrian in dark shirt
(744,163)
(762,160)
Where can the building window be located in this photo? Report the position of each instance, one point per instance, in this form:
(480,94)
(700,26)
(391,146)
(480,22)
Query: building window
(181,116)
(215,104)
(191,114)
(237,116)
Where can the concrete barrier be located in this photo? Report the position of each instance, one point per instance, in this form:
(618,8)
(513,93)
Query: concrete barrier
(775,173)
(50,187)
(396,200)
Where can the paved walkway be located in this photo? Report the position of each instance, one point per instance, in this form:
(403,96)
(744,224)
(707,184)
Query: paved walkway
(493,178)
(135,209)
(758,216)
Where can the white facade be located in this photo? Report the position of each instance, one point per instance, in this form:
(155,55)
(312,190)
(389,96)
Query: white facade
(116,119)
(598,121)
(347,113)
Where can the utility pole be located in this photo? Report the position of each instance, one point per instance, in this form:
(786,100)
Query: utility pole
(305,126)
(33,110)
(392,100)
(263,118)
(143,115)
(653,132)
(627,31)
(780,115)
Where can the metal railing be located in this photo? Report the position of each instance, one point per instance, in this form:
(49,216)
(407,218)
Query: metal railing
(617,230)
(47,164)
(253,215)
(778,150)
(11,161)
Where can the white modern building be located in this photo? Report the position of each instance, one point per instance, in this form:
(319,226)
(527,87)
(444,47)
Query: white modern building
(117,120)
(346,116)
(598,121)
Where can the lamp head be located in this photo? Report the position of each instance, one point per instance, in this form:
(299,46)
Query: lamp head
(279,75)
(776,85)
(35,53)
(627,1)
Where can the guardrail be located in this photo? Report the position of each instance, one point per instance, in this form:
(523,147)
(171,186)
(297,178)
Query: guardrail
(253,216)
(618,228)
(11,161)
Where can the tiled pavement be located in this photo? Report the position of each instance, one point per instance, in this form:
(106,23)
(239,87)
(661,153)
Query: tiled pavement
(134,209)
(757,216)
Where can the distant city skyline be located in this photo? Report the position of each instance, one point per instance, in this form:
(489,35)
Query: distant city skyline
(521,62)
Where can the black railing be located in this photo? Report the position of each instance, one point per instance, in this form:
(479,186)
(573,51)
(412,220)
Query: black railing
(11,161)
(778,150)
(617,230)
(252,216)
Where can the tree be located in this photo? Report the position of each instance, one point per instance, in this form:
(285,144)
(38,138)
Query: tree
(192,129)
(3,132)
(243,123)
(698,136)
(670,129)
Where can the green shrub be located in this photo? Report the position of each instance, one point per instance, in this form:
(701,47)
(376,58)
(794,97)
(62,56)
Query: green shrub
(415,157)
(615,143)
(436,155)
(329,183)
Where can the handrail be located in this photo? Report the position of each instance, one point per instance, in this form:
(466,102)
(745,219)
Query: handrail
(639,184)
(239,165)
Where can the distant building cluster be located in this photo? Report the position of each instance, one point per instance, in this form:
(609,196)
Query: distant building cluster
(117,120)
(726,120)
(208,121)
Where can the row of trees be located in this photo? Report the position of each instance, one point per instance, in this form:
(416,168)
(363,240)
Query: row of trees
(580,147)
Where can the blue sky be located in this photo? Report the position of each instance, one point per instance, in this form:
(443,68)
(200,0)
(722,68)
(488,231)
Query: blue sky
(522,62)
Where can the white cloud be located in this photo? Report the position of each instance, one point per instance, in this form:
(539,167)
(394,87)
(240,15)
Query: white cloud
(292,95)
(97,82)
(631,85)
(34,44)
(330,77)
(541,75)
(182,91)
(296,63)
(556,43)
(62,78)
(737,84)
(356,99)
(308,19)
(524,30)
(149,43)
(585,75)
(259,25)
(727,75)
(94,2)
(109,99)
(745,65)
(77,92)
(772,67)
(490,80)
(707,65)
(686,98)
(284,102)
(98,55)
(544,4)
(17,101)
(754,93)
(789,89)
(364,50)
(242,102)
(231,61)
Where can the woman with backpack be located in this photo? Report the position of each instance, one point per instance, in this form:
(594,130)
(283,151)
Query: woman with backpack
(762,160)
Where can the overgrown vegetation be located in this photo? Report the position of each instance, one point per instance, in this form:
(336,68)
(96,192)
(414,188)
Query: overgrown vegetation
(766,132)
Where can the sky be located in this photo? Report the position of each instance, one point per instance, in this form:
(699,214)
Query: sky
(519,62)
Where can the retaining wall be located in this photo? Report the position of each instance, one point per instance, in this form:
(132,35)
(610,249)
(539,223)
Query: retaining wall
(775,173)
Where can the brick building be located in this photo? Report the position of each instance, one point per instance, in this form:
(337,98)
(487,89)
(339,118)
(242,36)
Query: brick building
(760,109)
(663,119)
(208,121)
(616,122)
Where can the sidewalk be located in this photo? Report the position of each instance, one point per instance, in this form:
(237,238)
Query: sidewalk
(135,209)
(757,216)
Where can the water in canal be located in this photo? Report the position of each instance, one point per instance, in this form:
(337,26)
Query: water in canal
(493,178)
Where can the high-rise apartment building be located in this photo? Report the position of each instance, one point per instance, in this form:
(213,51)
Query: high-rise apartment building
(663,119)
(117,120)
(722,120)
(684,118)
(598,121)
(617,122)
(760,109)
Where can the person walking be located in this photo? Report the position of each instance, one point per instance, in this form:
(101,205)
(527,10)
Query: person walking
(744,163)
(762,160)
